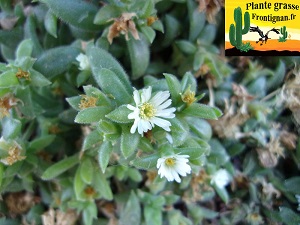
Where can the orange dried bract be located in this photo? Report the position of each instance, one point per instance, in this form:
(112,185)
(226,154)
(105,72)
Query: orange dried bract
(22,74)
(123,25)
(151,20)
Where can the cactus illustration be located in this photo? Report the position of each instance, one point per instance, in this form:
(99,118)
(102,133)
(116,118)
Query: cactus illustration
(284,34)
(236,32)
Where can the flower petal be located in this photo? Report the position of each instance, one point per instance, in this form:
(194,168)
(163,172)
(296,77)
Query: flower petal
(160,97)
(165,124)
(136,97)
(146,94)
(134,126)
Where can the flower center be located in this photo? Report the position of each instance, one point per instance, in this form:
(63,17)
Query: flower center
(147,111)
(170,161)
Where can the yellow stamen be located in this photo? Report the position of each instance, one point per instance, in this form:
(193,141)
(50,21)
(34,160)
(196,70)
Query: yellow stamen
(147,111)
(89,191)
(22,74)
(87,102)
(188,96)
(151,20)
(170,161)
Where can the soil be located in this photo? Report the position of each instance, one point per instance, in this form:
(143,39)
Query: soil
(288,48)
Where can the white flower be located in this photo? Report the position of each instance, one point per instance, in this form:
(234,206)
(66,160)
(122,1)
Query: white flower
(149,112)
(298,199)
(84,63)
(172,166)
(221,178)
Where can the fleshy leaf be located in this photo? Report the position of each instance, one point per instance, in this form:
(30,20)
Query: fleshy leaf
(202,111)
(129,142)
(104,154)
(139,56)
(56,60)
(92,114)
(128,215)
(84,16)
(120,115)
(112,85)
(146,162)
(87,170)
(60,167)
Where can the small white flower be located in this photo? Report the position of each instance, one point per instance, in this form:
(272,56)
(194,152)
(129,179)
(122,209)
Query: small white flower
(221,178)
(172,166)
(298,199)
(84,63)
(149,112)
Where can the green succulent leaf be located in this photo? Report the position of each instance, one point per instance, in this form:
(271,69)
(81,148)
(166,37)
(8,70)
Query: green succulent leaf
(146,162)
(174,88)
(56,60)
(107,79)
(129,142)
(139,56)
(51,23)
(102,185)
(104,153)
(101,59)
(8,79)
(24,49)
(106,14)
(84,16)
(120,115)
(128,215)
(11,128)
(202,111)
(60,167)
(92,114)
(87,170)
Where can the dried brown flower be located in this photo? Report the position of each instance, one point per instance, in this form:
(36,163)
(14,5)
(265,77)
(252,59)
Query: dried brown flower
(20,202)
(14,155)
(87,102)
(211,7)
(255,218)
(57,217)
(151,20)
(123,25)
(22,74)
(6,103)
(266,158)
(290,94)
(288,139)
(235,114)
(90,192)
(8,23)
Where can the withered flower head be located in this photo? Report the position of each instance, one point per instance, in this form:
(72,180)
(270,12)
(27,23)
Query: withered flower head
(6,103)
(87,102)
(211,7)
(90,192)
(20,202)
(58,217)
(290,94)
(288,139)
(22,74)
(123,25)
(151,20)
(255,218)
(14,155)
(266,158)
